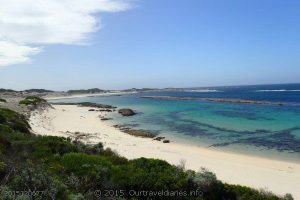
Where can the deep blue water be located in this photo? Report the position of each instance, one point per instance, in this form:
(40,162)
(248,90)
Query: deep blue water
(276,93)
(265,130)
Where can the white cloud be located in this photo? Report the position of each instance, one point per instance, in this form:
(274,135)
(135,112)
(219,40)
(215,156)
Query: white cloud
(11,53)
(27,24)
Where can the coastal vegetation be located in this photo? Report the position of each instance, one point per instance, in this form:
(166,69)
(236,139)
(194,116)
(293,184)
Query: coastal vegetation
(91,91)
(32,100)
(38,91)
(48,167)
(3,100)
(2,90)
(140,89)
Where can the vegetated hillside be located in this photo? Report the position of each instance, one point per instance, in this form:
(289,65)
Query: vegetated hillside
(140,89)
(32,100)
(38,91)
(6,90)
(47,167)
(92,91)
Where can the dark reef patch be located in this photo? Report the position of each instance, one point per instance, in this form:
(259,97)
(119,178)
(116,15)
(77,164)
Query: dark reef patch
(282,140)
(177,122)
(241,114)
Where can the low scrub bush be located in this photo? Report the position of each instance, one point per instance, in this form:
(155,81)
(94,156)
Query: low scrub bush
(32,100)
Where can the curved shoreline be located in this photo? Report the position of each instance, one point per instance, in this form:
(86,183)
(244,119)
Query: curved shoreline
(278,176)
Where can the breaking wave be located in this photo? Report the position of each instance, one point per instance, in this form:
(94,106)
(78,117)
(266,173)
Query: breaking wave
(281,90)
(202,90)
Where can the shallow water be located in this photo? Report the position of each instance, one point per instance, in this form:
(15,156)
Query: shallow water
(263,130)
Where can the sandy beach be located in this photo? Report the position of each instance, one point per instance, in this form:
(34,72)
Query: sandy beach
(277,176)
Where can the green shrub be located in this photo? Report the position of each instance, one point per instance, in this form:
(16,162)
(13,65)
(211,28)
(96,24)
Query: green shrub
(76,197)
(83,164)
(92,171)
(14,120)
(242,192)
(203,179)
(36,179)
(32,100)
(149,174)
(3,100)
(288,197)
(47,146)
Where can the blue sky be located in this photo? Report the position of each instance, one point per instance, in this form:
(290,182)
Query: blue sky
(171,43)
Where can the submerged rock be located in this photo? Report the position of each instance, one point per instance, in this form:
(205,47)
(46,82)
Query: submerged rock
(126,112)
(136,132)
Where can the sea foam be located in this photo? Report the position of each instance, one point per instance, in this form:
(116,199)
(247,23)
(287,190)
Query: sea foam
(202,90)
(281,90)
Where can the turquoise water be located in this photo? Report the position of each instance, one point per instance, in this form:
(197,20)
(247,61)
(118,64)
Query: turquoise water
(264,130)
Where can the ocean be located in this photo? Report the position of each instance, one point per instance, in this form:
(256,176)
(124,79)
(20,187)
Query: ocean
(266,130)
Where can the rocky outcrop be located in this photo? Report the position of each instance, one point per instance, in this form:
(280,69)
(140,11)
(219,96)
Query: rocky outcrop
(136,132)
(126,112)
(159,138)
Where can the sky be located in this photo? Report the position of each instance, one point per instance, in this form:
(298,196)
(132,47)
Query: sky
(118,44)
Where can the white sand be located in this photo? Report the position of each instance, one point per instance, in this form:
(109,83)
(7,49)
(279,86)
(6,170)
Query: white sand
(279,177)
